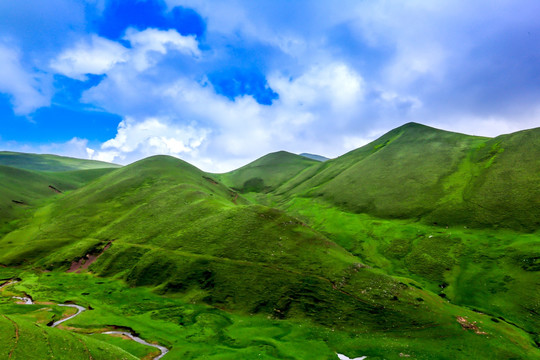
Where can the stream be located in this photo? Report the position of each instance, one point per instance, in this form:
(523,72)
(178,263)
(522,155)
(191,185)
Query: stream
(28,301)
(79,308)
(163,349)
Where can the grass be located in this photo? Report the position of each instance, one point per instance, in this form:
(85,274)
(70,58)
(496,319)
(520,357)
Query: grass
(419,236)
(417,172)
(46,162)
(492,271)
(267,173)
(195,331)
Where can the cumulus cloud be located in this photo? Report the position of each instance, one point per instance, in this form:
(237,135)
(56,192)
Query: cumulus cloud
(343,75)
(138,139)
(240,128)
(75,147)
(94,56)
(28,89)
(146,43)
(98,55)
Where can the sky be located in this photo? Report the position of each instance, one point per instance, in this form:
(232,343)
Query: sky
(221,83)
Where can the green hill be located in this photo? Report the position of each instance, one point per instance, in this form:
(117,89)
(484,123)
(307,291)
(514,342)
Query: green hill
(46,162)
(267,173)
(418,172)
(21,339)
(164,224)
(22,190)
(375,245)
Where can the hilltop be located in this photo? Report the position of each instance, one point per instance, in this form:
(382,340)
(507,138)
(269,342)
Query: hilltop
(267,173)
(46,162)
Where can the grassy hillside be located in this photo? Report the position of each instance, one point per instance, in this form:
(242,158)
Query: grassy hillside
(495,272)
(162,223)
(418,172)
(46,162)
(267,173)
(22,190)
(22,339)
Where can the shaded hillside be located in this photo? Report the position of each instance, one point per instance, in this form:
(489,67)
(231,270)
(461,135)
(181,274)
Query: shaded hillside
(46,162)
(266,173)
(423,173)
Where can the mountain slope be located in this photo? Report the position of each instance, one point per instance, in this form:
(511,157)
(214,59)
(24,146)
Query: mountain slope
(423,173)
(21,339)
(266,173)
(22,190)
(164,224)
(46,162)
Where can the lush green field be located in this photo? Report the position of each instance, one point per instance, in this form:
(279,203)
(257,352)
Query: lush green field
(196,331)
(422,243)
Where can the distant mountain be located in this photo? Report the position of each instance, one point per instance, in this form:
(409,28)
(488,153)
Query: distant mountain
(46,162)
(314,157)
(267,173)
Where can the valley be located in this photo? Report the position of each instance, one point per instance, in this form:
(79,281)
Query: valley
(422,244)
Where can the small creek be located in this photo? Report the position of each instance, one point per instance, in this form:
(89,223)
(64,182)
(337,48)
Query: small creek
(80,309)
(163,349)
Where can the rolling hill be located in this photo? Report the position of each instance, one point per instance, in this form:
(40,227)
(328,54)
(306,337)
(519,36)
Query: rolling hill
(46,162)
(267,173)
(419,236)
(418,172)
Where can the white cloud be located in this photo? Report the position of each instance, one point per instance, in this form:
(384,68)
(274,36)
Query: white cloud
(137,139)
(29,90)
(150,41)
(241,129)
(96,56)
(335,85)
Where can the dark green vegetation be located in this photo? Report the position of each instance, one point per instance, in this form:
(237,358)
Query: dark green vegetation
(398,247)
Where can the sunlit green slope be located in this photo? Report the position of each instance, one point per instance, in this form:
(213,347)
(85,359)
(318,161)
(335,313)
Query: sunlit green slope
(22,190)
(23,340)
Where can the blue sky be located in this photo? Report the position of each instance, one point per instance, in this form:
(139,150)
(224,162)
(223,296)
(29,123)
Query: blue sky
(220,83)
